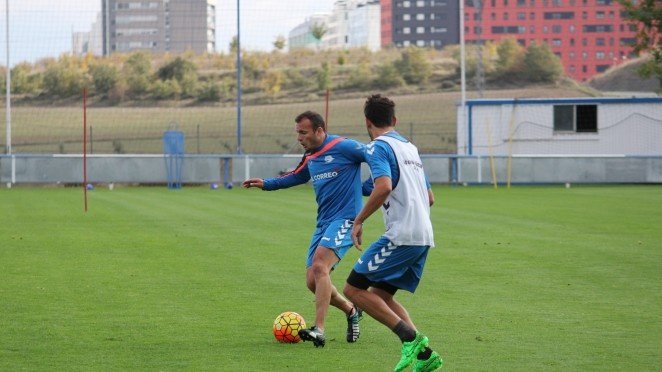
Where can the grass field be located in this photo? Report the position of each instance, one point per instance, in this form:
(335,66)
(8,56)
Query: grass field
(526,279)
(429,119)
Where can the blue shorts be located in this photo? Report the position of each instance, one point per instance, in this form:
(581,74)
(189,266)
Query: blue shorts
(400,266)
(336,235)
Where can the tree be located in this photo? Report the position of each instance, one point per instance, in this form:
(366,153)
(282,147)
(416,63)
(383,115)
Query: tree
(279,43)
(324,77)
(510,57)
(137,70)
(184,72)
(541,64)
(65,77)
(414,66)
(24,80)
(104,77)
(647,15)
(318,30)
(234,44)
(388,77)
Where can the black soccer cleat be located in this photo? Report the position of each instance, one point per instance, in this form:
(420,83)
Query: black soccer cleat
(353,330)
(313,334)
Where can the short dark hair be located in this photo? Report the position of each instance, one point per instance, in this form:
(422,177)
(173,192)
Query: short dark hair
(315,119)
(379,110)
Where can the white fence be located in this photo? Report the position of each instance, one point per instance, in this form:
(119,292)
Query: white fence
(220,168)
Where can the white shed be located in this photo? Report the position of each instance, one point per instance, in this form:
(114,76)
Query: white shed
(561,126)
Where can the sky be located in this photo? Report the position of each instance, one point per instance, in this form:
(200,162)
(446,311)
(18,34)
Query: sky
(43,28)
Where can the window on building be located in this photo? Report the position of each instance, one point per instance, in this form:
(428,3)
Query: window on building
(571,28)
(406,17)
(576,118)
(584,55)
(556,29)
(599,15)
(420,43)
(556,42)
(532,16)
(584,42)
(600,41)
(521,15)
(420,3)
(492,16)
(584,15)
(584,69)
(420,17)
(420,30)
(505,16)
(406,4)
(521,29)
(599,55)
(571,55)
(406,30)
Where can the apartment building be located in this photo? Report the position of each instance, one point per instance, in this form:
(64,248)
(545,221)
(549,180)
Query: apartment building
(589,36)
(351,23)
(158,26)
(423,23)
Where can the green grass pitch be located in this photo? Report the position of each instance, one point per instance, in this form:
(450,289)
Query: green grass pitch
(525,279)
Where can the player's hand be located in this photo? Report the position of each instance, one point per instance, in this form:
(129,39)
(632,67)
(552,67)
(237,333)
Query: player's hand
(357,233)
(253,182)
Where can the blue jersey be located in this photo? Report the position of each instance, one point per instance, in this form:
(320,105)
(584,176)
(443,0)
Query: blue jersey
(382,162)
(335,168)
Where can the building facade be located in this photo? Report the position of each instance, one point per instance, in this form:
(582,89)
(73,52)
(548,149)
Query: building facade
(351,24)
(589,36)
(423,23)
(364,26)
(158,26)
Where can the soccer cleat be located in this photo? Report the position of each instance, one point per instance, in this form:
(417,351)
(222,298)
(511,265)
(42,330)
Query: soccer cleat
(313,334)
(430,364)
(410,350)
(353,330)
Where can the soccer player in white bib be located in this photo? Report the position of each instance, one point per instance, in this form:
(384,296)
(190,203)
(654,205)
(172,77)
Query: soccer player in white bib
(396,260)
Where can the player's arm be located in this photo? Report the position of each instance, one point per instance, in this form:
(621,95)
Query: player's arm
(253,182)
(430,193)
(378,196)
(367,186)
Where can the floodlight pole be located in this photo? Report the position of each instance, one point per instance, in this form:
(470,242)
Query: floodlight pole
(239,150)
(463,80)
(8,104)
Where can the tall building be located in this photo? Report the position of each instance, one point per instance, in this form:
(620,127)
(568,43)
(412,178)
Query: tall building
(364,26)
(589,36)
(159,26)
(423,23)
(351,24)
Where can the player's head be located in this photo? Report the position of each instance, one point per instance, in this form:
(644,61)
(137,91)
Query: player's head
(311,130)
(379,112)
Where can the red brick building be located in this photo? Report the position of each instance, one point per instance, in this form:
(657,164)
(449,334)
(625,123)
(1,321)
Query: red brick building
(588,35)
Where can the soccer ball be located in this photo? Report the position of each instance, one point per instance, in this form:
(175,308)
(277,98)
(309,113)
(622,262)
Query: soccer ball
(287,326)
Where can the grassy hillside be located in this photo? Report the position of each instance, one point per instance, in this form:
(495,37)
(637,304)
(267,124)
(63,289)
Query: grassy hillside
(429,119)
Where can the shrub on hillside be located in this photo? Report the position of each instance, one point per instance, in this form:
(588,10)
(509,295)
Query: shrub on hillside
(65,77)
(104,78)
(137,71)
(541,64)
(414,66)
(388,77)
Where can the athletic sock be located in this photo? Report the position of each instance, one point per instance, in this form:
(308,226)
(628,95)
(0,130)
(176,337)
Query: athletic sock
(405,332)
(425,354)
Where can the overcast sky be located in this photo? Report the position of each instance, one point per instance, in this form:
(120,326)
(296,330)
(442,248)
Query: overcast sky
(43,28)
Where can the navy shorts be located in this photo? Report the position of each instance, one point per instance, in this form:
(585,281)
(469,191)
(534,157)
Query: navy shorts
(400,266)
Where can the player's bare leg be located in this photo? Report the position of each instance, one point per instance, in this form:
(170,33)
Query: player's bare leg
(394,305)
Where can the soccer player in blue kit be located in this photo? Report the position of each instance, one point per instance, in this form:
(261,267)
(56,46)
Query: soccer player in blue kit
(396,260)
(334,165)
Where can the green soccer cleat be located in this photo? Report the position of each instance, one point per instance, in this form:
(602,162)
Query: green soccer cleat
(433,363)
(313,334)
(410,350)
(353,330)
